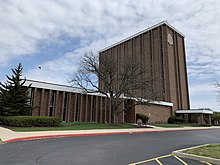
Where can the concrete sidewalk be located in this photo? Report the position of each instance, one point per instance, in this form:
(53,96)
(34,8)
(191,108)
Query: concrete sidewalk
(7,135)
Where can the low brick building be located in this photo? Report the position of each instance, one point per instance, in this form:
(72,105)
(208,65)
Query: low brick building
(73,104)
(196,116)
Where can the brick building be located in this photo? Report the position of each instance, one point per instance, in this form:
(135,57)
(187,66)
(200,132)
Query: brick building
(160,49)
(72,104)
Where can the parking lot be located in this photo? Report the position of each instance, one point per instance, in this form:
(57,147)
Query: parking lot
(129,149)
(168,160)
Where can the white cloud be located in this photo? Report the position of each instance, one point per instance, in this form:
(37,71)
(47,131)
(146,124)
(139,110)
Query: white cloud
(208,102)
(202,88)
(29,27)
(204,95)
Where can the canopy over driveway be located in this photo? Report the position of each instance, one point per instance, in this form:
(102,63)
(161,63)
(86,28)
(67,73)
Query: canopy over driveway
(196,116)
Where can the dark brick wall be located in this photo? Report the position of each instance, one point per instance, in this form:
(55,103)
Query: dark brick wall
(165,64)
(156,113)
(88,108)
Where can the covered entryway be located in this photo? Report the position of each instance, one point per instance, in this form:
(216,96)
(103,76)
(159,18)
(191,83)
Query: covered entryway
(196,116)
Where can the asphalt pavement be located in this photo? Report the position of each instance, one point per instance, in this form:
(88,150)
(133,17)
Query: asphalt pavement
(114,149)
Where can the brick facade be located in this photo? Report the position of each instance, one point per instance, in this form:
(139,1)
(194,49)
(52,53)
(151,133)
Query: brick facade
(156,113)
(159,50)
(72,105)
(78,107)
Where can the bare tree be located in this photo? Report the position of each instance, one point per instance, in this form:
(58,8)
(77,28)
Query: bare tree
(118,83)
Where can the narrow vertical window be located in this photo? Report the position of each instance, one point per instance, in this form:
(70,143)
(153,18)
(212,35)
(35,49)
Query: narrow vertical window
(162,62)
(30,93)
(94,108)
(65,108)
(151,60)
(52,103)
(30,99)
(78,101)
(125,111)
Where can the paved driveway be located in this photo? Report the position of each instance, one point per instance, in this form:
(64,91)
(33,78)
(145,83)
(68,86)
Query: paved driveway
(105,150)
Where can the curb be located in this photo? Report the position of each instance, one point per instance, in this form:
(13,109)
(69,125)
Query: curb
(63,135)
(1,142)
(181,153)
(94,134)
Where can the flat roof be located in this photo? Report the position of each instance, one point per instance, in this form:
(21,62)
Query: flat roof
(141,32)
(57,87)
(65,88)
(202,111)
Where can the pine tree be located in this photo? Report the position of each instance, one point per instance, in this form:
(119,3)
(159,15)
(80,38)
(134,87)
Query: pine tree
(14,95)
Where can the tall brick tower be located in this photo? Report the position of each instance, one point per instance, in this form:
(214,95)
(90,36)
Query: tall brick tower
(161,50)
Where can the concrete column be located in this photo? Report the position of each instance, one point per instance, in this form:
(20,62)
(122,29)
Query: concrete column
(186,118)
(209,120)
(202,119)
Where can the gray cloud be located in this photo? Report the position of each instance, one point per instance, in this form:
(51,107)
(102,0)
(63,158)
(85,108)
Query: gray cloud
(27,27)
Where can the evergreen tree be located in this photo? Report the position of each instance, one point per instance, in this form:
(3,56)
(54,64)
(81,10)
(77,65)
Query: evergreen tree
(14,95)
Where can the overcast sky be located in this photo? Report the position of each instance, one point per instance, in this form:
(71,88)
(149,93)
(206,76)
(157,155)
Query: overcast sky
(54,34)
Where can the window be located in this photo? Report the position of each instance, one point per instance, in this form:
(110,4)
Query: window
(65,108)
(30,99)
(30,96)
(162,62)
(93,108)
(151,59)
(52,99)
(78,102)
(126,108)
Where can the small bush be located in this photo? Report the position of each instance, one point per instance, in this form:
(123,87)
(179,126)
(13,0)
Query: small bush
(2,120)
(215,118)
(143,117)
(171,120)
(30,121)
(175,120)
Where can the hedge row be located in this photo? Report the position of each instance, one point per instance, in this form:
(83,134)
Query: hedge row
(30,121)
(175,120)
(143,117)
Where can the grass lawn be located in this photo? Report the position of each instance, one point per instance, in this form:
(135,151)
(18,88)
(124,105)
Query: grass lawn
(73,126)
(212,151)
(173,125)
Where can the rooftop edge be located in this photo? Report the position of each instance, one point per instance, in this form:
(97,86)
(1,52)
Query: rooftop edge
(59,87)
(143,31)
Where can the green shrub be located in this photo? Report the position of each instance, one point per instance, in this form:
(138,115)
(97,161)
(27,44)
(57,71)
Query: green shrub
(215,118)
(2,120)
(175,120)
(30,121)
(171,120)
(143,117)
